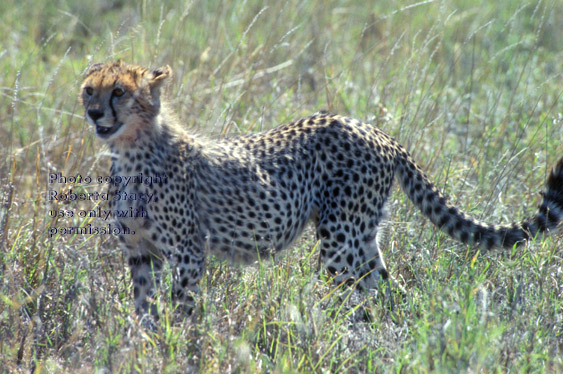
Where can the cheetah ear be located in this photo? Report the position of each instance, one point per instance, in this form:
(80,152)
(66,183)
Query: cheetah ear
(156,77)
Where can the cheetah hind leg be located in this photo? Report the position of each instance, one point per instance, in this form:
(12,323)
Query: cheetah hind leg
(356,263)
(372,272)
(382,238)
(187,272)
(374,283)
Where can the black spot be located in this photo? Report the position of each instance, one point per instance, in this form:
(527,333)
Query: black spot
(464,237)
(179,293)
(490,242)
(384,274)
(443,220)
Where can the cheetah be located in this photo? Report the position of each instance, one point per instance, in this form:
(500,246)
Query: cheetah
(249,196)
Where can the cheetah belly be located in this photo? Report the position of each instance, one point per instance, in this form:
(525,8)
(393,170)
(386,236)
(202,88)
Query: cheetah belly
(241,221)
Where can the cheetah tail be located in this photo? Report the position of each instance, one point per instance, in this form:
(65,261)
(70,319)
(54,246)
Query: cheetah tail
(470,231)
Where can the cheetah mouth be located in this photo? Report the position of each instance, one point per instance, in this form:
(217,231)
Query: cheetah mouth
(105,132)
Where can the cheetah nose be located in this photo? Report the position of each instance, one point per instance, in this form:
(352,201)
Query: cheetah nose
(95,114)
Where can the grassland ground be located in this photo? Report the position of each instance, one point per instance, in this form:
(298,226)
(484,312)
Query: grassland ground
(472,89)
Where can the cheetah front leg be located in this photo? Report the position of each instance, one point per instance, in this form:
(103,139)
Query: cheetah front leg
(145,264)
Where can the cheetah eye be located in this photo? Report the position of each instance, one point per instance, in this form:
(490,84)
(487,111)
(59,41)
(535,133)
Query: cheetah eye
(118,92)
(89,91)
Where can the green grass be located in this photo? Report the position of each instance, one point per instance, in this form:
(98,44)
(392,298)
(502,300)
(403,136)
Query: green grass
(474,89)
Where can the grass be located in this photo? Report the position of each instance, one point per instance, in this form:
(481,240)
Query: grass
(474,91)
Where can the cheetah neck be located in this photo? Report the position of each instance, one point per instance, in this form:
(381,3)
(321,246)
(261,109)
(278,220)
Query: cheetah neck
(156,144)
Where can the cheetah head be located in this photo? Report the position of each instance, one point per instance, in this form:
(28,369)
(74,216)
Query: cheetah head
(122,100)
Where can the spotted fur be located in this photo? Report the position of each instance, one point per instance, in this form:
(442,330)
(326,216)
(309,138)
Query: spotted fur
(252,195)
